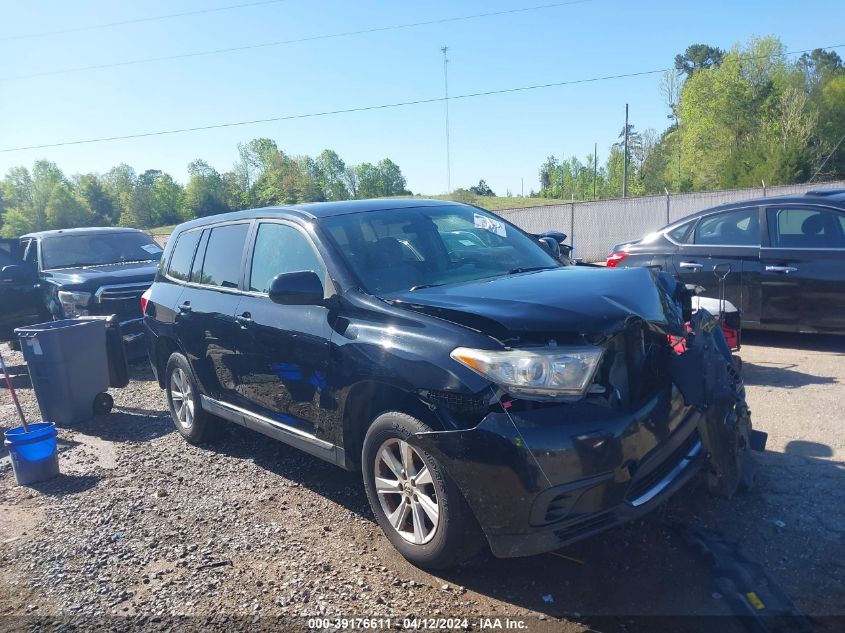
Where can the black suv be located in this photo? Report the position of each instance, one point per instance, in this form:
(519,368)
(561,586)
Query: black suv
(483,389)
(67,273)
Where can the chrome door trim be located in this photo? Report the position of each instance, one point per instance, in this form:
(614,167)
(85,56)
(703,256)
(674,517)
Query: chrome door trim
(277,430)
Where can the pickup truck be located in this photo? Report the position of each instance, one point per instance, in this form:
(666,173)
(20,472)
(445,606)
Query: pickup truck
(67,273)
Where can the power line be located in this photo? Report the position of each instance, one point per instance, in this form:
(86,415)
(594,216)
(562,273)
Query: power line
(382,106)
(829,156)
(153,18)
(312,38)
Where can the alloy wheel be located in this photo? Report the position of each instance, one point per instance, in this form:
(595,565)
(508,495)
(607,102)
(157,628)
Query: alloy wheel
(181,395)
(406,491)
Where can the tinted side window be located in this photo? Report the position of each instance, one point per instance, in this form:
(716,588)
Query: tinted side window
(680,234)
(805,228)
(731,228)
(196,269)
(222,263)
(183,253)
(280,248)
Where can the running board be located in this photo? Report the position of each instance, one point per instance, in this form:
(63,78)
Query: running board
(277,430)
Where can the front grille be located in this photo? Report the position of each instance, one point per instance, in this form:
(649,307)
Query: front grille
(123,300)
(647,482)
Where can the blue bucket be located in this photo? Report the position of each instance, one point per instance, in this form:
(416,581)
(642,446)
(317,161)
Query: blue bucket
(34,454)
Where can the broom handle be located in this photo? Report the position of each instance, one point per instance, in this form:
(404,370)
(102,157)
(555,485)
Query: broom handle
(14,395)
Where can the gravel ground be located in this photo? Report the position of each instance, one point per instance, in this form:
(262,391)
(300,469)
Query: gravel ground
(245,530)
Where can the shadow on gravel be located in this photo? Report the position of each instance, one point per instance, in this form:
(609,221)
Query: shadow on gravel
(813,342)
(64,485)
(15,370)
(19,381)
(127,425)
(336,484)
(139,369)
(781,375)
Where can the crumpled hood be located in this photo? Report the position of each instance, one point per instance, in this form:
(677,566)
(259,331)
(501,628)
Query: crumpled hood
(571,299)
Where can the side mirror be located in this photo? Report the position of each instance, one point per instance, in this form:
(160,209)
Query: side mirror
(17,273)
(551,245)
(297,289)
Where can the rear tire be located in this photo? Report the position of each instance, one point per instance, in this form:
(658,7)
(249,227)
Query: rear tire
(183,398)
(415,501)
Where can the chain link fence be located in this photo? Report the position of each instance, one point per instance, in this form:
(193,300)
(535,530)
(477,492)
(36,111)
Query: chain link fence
(594,227)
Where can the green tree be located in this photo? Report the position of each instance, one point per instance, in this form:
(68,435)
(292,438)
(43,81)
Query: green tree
(166,199)
(391,178)
(206,193)
(63,210)
(333,174)
(92,193)
(698,57)
(482,189)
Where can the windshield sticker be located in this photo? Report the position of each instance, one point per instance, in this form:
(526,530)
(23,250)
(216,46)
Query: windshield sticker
(152,248)
(467,242)
(489,224)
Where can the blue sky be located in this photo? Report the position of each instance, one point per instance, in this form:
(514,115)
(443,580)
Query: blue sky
(502,139)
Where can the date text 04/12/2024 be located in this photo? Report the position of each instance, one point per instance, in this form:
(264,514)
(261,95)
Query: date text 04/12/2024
(417,624)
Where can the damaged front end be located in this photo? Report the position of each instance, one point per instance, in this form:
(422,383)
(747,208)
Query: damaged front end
(665,402)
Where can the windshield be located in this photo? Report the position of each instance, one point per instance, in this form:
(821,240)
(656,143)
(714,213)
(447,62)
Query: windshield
(73,251)
(406,249)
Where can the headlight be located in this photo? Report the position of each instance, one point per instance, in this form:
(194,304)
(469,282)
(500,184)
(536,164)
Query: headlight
(74,304)
(539,372)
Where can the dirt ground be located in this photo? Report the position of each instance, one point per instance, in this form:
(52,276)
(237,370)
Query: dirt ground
(244,531)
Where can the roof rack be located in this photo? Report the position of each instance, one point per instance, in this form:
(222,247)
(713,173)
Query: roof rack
(825,192)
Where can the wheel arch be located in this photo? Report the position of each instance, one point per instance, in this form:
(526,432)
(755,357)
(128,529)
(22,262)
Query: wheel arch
(164,347)
(368,399)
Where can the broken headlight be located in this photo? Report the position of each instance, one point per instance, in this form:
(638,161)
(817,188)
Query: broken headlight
(537,373)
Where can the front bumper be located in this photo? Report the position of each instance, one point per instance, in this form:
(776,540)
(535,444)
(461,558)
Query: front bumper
(539,479)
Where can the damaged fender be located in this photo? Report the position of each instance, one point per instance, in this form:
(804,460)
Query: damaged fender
(705,373)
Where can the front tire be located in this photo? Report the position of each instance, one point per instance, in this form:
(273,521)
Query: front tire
(183,398)
(417,505)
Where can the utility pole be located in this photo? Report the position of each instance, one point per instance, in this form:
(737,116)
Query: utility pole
(446,100)
(595,167)
(625,160)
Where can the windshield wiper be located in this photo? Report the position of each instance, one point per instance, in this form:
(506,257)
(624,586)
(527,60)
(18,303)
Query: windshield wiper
(530,269)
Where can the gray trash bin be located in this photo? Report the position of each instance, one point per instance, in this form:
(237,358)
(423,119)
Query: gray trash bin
(68,365)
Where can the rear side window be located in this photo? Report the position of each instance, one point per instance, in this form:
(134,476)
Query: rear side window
(222,264)
(280,248)
(680,234)
(731,228)
(183,253)
(805,228)
(196,269)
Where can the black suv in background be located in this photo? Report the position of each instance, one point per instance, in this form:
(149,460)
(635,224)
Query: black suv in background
(787,258)
(76,272)
(474,380)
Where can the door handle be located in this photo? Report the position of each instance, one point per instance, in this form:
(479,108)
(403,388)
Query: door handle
(245,319)
(781,269)
(185,307)
(691,265)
